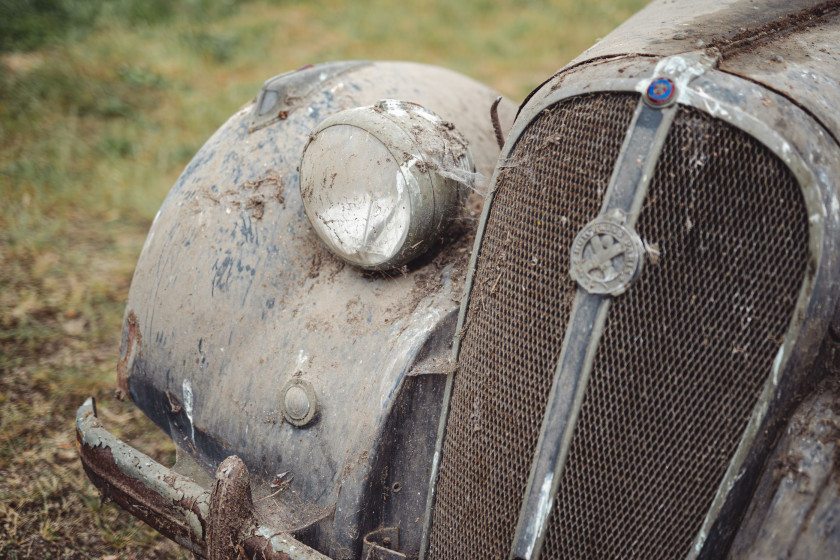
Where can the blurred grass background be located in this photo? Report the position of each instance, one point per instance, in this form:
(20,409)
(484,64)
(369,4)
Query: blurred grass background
(101,106)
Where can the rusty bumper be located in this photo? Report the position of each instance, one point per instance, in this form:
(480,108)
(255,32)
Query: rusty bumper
(217,524)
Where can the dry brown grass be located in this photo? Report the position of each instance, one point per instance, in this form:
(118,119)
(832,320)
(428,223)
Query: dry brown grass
(48,509)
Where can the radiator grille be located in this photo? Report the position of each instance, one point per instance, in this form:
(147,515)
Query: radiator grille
(550,187)
(686,350)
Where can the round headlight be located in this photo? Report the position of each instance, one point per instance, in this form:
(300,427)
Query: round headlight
(379,184)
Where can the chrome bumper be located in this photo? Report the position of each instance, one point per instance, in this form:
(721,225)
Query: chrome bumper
(215,524)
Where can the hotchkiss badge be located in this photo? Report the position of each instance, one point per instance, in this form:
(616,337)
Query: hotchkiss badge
(606,256)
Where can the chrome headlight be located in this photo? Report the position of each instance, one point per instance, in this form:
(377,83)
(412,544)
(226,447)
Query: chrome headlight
(380,183)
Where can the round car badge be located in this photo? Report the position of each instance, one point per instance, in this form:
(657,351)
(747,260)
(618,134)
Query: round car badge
(606,257)
(660,92)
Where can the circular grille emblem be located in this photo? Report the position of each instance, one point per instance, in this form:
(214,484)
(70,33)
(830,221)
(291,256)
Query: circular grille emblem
(660,92)
(606,257)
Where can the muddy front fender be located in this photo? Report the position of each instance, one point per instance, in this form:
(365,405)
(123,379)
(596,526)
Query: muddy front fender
(238,314)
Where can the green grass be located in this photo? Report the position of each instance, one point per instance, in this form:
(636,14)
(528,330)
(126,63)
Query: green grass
(101,106)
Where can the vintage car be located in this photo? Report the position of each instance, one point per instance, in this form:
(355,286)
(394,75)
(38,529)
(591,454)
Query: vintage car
(382,318)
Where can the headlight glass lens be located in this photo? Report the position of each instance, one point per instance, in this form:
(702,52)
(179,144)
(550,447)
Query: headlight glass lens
(356,195)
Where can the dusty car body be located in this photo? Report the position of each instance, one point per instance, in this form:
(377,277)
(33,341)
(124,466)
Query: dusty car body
(633,353)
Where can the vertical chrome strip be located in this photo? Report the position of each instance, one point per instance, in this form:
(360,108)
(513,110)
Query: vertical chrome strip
(626,192)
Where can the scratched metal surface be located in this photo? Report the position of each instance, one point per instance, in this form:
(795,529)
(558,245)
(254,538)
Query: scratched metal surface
(234,295)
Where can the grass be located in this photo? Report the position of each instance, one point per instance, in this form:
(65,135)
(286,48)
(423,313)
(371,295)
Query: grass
(101,106)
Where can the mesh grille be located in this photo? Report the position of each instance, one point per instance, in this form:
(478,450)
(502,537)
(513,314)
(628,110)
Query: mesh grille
(686,351)
(549,189)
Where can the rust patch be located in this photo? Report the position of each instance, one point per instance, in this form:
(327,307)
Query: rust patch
(132,340)
(175,405)
(135,497)
(231,510)
(229,528)
(259,547)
